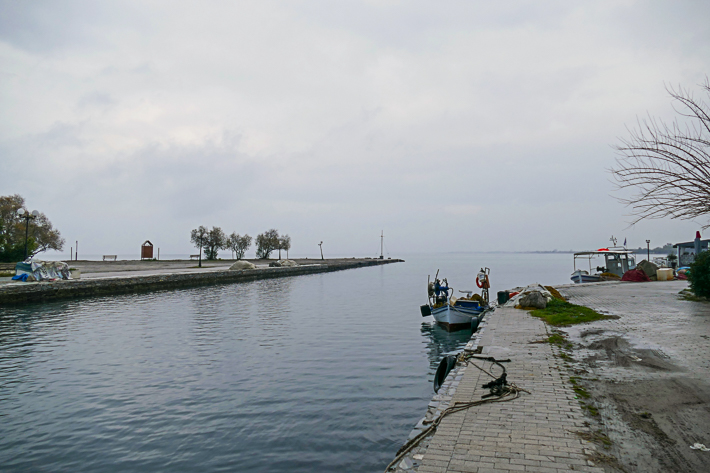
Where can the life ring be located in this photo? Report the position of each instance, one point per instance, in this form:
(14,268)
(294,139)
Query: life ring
(486,283)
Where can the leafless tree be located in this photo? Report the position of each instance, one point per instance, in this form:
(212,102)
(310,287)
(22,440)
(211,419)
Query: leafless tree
(668,165)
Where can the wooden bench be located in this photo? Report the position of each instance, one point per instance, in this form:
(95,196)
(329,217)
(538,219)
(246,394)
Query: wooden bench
(194,256)
(110,257)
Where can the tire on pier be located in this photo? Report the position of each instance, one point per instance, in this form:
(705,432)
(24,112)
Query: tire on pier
(474,323)
(445,367)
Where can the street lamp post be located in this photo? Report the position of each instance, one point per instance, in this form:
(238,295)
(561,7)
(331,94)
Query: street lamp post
(648,250)
(22,213)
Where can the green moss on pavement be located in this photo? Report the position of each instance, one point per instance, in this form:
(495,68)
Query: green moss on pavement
(562,313)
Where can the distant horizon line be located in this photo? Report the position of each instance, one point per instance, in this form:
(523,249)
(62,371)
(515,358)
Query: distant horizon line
(130,255)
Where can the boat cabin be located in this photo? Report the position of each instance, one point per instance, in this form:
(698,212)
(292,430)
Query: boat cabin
(616,261)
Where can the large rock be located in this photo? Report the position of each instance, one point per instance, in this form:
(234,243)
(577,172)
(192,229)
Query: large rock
(533,299)
(283,263)
(648,268)
(241,265)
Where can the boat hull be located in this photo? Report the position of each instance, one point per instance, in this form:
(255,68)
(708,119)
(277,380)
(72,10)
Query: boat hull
(579,277)
(457,317)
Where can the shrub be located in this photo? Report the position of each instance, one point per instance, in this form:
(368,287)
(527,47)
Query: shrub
(699,276)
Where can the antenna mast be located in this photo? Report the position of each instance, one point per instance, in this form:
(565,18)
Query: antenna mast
(382,244)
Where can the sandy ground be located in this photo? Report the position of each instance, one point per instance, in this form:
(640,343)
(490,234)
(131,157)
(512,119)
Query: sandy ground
(647,372)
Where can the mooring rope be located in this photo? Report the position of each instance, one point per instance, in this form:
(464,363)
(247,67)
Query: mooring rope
(505,392)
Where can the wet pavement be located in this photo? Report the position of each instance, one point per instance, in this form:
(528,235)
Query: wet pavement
(647,373)
(652,319)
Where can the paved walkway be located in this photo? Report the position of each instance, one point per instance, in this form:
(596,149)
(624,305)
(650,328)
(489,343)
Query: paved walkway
(537,432)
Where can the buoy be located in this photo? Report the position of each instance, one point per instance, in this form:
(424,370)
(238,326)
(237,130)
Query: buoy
(445,367)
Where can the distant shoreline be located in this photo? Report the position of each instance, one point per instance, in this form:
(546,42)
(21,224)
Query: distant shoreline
(553,252)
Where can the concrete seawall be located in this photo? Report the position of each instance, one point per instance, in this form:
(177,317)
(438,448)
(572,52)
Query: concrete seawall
(21,293)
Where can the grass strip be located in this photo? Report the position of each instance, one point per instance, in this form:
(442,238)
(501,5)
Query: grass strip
(561,313)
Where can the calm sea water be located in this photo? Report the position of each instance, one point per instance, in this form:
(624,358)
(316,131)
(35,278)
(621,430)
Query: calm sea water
(327,372)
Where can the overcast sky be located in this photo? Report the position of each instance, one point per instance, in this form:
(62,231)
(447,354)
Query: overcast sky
(450,125)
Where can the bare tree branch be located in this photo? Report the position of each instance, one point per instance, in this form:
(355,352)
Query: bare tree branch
(668,164)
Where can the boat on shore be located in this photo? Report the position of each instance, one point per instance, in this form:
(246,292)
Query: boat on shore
(456,313)
(617,260)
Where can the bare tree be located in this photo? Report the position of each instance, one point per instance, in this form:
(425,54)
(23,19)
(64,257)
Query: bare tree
(669,164)
(239,244)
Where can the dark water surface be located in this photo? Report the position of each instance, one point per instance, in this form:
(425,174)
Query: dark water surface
(326,372)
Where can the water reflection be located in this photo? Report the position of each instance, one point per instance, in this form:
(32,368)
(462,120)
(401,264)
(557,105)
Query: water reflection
(439,342)
(273,310)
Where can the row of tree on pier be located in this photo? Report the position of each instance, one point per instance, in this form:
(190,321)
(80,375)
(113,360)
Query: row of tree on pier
(212,241)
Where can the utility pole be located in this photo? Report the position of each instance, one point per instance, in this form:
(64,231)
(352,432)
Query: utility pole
(648,250)
(321,249)
(382,245)
(76,252)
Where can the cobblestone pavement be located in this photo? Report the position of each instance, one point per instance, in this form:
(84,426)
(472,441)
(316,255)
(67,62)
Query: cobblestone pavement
(538,432)
(647,372)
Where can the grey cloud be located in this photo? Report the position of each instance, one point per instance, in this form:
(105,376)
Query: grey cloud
(333,120)
(95,99)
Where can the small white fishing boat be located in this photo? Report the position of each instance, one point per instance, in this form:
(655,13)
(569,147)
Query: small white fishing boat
(580,276)
(456,313)
(617,260)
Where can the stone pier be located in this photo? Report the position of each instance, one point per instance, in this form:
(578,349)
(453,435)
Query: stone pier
(543,431)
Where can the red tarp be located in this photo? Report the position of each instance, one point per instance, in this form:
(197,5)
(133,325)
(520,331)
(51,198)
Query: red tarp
(635,275)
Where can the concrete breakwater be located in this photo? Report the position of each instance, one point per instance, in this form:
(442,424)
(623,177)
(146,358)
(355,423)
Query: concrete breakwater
(20,293)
